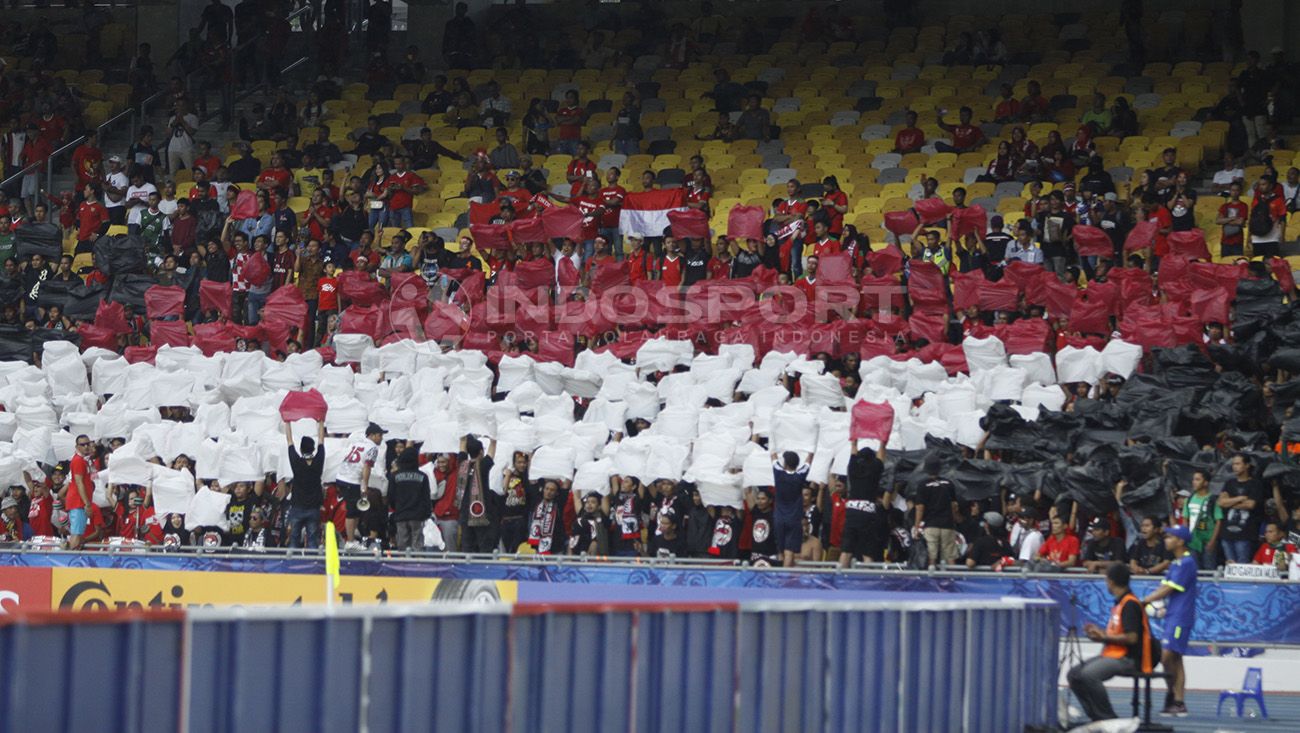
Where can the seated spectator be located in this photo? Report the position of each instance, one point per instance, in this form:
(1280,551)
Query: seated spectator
(755,123)
(1008,107)
(1149,556)
(965,136)
(1003,167)
(1098,117)
(504,155)
(1275,550)
(1035,107)
(369,141)
(1102,550)
(425,151)
(911,138)
(1060,549)
(1123,119)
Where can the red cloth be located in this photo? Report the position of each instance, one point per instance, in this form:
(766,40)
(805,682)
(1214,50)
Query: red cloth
(482,213)
(689,223)
(245,206)
(161,301)
(931,325)
(1282,271)
(1190,243)
(900,222)
(1002,295)
(563,222)
(970,220)
(1058,297)
(746,222)
(286,305)
(370,320)
(472,284)
(932,211)
(555,346)
(309,405)
(925,284)
(966,289)
(527,231)
(533,274)
(256,270)
(608,275)
(1092,241)
(834,269)
(138,354)
(360,289)
(445,321)
(112,316)
(212,338)
(886,260)
(1142,236)
(95,335)
(169,333)
(871,420)
(1211,305)
(216,296)
(1089,314)
(566,273)
(1026,336)
(491,236)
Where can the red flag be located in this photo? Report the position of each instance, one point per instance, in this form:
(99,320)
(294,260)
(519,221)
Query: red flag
(1142,236)
(555,346)
(970,220)
(169,333)
(900,222)
(309,405)
(360,288)
(1058,297)
(646,212)
(932,210)
(1190,243)
(966,289)
(834,269)
(925,284)
(161,301)
(408,290)
(112,316)
(1092,241)
(1210,305)
(692,223)
(885,261)
(562,222)
(94,335)
(255,269)
(482,213)
(491,236)
(286,305)
(1089,315)
(215,296)
(1282,271)
(871,420)
(527,231)
(138,354)
(213,338)
(746,222)
(535,273)
(1025,336)
(608,275)
(445,321)
(566,273)
(931,325)
(245,206)
(1002,295)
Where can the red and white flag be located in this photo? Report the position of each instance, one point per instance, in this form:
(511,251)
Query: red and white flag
(645,213)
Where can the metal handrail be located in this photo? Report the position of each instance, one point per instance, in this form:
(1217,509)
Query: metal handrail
(49,162)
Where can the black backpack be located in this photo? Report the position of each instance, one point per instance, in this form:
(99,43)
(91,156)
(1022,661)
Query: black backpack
(1261,219)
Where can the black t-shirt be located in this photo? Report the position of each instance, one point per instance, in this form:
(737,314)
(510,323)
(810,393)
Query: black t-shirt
(625,512)
(763,532)
(937,495)
(744,263)
(996,245)
(662,546)
(1052,234)
(987,550)
(726,538)
(409,496)
(1243,524)
(244,170)
(1111,548)
(1148,557)
(1130,619)
(306,483)
(695,267)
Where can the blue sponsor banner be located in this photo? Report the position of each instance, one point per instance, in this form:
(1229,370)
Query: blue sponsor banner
(1227,612)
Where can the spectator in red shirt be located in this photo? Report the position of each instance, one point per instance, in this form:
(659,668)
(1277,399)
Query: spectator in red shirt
(1274,549)
(40,513)
(569,117)
(1035,106)
(580,168)
(640,263)
(910,139)
(403,185)
(965,136)
(835,203)
(670,265)
(1008,109)
(611,203)
(1164,221)
(1232,217)
(1061,548)
(92,217)
(275,176)
(808,283)
(206,160)
(76,495)
(86,160)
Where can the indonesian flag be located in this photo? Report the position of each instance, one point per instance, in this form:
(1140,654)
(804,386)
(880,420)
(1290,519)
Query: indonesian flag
(645,213)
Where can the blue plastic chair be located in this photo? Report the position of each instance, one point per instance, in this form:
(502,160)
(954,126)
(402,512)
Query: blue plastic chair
(1252,688)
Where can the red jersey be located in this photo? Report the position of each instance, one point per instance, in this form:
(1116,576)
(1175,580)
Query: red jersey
(719,269)
(314,228)
(582,169)
(40,516)
(909,140)
(611,197)
(1235,210)
(838,198)
(80,467)
(91,215)
(965,137)
(444,507)
(278,177)
(807,287)
(638,266)
(1163,220)
(698,196)
(138,524)
(570,122)
(327,294)
(52,129)
(209,164)
(1267,553)
(839,505)
(1007,109)
(590,221)
(399,199)
(670,270)
(827,246)
(85,163)
(1060,551)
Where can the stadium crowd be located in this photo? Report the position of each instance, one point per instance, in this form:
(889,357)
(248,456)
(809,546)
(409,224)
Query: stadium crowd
(315,247)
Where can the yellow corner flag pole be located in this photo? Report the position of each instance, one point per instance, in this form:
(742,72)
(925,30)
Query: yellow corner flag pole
(331,564)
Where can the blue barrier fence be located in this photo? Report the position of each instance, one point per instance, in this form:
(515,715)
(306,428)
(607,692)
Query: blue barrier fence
(983,665)
(1228,612)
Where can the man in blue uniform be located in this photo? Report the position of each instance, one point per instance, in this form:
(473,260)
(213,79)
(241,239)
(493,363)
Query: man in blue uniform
(1178,590)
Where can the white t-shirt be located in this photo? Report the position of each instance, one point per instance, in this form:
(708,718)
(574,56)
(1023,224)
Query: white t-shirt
(116,180)
(167,207)
(1223,178)
(141,193)
(181,140)
(359,453)
(1029,548)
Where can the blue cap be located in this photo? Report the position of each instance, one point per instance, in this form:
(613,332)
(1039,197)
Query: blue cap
(1179,531)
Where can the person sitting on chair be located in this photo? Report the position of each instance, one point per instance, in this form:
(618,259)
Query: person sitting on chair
(1127,648)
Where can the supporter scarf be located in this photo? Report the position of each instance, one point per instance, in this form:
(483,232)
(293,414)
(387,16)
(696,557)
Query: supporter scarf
(541,530)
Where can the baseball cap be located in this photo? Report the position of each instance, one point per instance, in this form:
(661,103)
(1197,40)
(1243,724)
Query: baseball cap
(115,159)
(1180,532)
(373,428)
(1096,524)
(993,519)
(1112,196)
(7,503)
(512,174)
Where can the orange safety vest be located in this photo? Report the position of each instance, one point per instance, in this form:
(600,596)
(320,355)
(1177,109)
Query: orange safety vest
(1115,627)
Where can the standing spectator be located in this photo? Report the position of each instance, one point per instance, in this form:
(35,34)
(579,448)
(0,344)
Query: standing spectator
(1267,219)
(143,156)
(627,126)
(866,526)
(570,118)
(460,39)
(354,477)
(1242,500)
(937,514)
(92,218)
(1055,233)
(87,159)
(1149,556)
(180,141)
(537,128)
(590,534)
(1254,83)
(410,499)
(246,168)
(1233,215)
(307,494)
(402,186)
(480,513)
(76,494)
(547,500)
(580,168)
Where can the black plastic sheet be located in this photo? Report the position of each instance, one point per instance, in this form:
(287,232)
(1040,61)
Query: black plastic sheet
(38,239)
(119,255)
(130,289)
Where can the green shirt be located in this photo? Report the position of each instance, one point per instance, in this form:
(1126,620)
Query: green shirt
(1202,513)
(1101,118)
